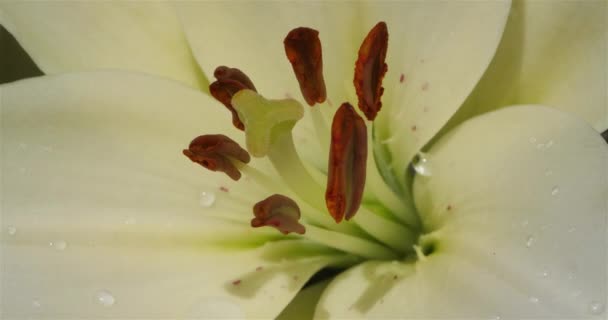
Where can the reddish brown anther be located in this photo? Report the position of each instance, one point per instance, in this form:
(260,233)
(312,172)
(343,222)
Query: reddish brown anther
(347,163)
(370,70)
(229,82)
(303,49)
(279,212)
(215,152)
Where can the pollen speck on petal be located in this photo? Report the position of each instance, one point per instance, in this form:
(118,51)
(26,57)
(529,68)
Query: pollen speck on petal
(280,212)
(347,163)
(370,70)
(215,152)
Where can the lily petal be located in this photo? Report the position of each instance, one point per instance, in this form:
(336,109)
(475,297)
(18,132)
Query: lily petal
(249,36)
(103,217)
(79,36)
(515,231)
(437,53)
(553,53)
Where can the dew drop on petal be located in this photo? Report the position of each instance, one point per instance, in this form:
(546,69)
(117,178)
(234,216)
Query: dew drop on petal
(105,298)
(529,241)
(533,299)
(59,245)
(532,140)
(596,308)
(12,230)
(207,199)
(555,191)
(422,165)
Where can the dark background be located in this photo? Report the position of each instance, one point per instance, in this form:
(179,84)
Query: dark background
(15,64)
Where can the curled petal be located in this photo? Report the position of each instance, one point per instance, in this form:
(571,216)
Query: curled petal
(215,152)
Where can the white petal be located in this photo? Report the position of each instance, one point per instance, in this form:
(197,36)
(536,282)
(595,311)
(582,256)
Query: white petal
(442,49)
(78,36)
(510,247)
(553,53)
(103,217)
(249,36)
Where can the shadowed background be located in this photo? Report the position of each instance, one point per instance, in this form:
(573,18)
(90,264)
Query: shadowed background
(15,63)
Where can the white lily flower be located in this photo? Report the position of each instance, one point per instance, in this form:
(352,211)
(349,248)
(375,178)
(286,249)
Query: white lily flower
(505,217)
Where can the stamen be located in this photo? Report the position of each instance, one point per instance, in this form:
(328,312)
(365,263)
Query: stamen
(216,153)
(347,163)
(303,49)
(229,82)
(370,70)
(279,212)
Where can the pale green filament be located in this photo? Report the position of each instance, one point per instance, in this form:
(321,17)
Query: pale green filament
(268,126)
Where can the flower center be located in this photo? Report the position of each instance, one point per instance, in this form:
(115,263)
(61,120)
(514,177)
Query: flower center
(372,222)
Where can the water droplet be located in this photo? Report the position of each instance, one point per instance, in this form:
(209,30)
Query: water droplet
(544,274)
(525,223)
(540,146)
(496,318)
(596,308)
(529,241)
(555,191)
(12,230)
(36,304)
(58,245)
(532,140)
(422,165)
(548,172)
(207,199)
(549,144)
(105,298)
(533,300)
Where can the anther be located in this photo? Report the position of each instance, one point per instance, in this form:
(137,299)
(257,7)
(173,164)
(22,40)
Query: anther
(347,163)
(280,212)
(217,152)
(370,70)
(303,49)
(229,82)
